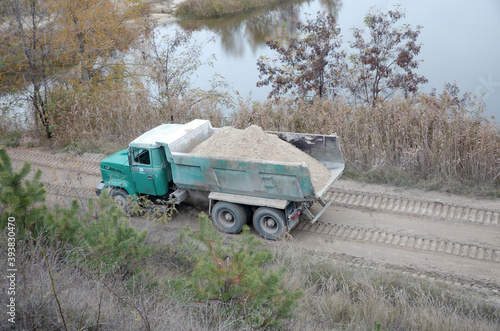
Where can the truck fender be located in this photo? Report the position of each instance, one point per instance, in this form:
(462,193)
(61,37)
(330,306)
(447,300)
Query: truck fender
(122,184)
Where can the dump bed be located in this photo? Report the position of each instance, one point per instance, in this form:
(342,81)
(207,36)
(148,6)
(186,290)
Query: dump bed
(258,178)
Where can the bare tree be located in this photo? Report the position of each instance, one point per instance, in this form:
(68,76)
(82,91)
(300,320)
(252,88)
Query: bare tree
(34,33)
(309,63)
(170,63)
(385,61)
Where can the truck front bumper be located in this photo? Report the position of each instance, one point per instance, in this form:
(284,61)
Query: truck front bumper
(101,186)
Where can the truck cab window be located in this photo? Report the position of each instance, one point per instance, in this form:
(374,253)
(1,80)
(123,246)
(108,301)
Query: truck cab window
(141,156)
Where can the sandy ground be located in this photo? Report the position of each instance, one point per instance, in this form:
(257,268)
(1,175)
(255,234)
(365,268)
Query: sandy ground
(470,252)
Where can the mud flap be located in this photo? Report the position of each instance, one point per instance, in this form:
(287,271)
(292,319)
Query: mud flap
(314,218)
(292,215)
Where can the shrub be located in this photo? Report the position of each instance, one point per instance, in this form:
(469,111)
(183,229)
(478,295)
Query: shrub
(105,241)
(100,236)
(235,277)
(20,197)
(12,138)
(112,239)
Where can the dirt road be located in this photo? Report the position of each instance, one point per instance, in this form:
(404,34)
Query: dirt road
(427,234)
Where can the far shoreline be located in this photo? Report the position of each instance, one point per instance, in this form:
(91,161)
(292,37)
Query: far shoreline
(162,12)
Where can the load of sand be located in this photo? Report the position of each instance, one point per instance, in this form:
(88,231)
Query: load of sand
(254,143)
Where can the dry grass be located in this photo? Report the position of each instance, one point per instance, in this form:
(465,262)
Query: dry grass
(90,301)
(425,141)
(337,296)
(120,115)
(426,138)
(216,8)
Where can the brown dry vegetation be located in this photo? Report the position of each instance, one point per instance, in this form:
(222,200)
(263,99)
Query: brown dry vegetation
(426,141)
(118,115)
(215,8)
(402,141)
(336,296)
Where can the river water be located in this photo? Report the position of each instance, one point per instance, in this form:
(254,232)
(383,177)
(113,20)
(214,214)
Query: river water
(460,41)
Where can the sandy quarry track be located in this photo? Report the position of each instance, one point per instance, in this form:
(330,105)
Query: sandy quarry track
(404,240)
(414,206)
(426,233)
(86,163)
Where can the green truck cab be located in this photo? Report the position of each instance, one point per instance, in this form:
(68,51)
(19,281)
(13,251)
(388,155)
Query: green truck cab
(270,194)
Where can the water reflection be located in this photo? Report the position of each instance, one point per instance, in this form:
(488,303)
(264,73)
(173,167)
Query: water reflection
(466,54)
(250,29)
(332,7)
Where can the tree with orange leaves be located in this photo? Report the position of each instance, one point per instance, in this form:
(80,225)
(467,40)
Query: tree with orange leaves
(90,33)
(48,43)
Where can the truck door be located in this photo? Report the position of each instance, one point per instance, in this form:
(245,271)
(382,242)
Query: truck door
(142,170)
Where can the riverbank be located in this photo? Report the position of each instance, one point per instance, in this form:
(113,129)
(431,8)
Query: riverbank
(219,8)
(163,11)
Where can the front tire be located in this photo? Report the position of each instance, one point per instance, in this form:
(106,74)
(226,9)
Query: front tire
(269,222)
(120,197)
(229,217)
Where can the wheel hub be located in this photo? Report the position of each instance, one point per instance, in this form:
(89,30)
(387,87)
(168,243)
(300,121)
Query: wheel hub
(226,218)
(270,222)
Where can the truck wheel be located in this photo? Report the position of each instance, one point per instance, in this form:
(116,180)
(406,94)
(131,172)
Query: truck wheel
(229,217)
(269,222)
(120,197)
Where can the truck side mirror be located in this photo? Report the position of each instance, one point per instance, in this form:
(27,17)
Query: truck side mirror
(130,157)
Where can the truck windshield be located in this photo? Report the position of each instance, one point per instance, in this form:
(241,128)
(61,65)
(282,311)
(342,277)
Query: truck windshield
(141,156)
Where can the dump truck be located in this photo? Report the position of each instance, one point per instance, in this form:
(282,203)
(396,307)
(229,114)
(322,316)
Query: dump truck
(271,195)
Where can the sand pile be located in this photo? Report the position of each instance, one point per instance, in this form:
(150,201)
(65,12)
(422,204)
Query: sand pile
(253,143)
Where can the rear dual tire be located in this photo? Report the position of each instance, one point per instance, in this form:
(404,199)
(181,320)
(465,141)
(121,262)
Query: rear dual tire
(269,222)
(229,217)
